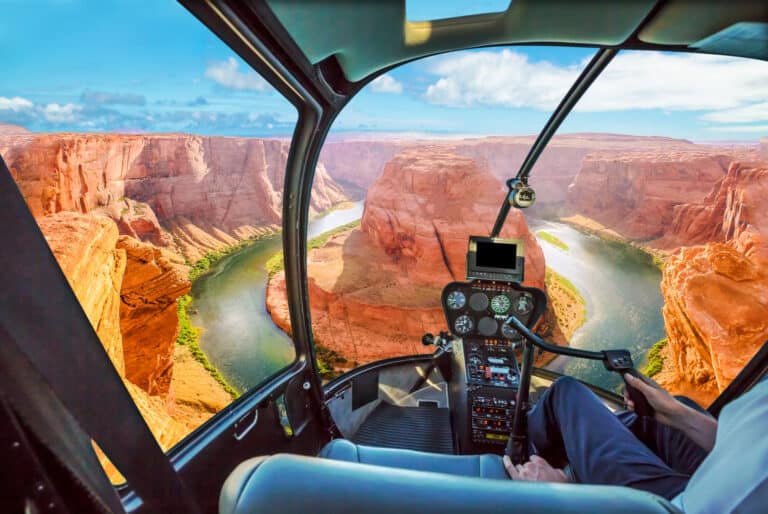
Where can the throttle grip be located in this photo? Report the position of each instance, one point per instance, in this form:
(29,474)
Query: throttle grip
(642,406)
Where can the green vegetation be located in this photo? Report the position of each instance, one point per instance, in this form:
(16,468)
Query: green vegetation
(327,360)
(554,280)
(189,337)
(274,264)
(207,261)
(655,358)
(552,239)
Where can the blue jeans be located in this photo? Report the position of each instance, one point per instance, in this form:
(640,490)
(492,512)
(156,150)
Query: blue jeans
(569,424)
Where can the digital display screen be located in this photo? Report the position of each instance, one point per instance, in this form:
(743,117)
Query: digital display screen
(497,437)
(496,255)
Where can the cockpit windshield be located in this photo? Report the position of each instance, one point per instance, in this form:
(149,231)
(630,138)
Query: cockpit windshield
(628,226)
(155,168)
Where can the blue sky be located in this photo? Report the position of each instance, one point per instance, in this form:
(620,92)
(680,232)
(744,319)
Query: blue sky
(72,65)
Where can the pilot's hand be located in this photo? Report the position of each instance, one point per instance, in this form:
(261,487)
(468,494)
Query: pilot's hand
(666,407)
(535,470)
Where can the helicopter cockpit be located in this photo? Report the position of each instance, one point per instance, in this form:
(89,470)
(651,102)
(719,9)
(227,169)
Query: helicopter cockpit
(208,306)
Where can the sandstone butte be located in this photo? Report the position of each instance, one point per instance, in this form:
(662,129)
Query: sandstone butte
(704,211)
(357,161)
(716,294)
(106,272)
(189,194)
(172,197)
(375,290)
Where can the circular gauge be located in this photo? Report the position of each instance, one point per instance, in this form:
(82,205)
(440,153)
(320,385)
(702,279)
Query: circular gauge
(523,304)
(463,324)
(478,301)
(500,304)
(475,361)
(487,326)
(509,332)
(456,300)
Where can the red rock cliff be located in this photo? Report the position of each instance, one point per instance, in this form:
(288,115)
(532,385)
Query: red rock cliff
(634,194)
(207,191)
(716,294)
(374,291)
(97,265)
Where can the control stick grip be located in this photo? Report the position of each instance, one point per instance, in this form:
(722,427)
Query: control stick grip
(642,406)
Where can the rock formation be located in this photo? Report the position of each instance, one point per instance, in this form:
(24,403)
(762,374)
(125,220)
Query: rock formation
(226,188)
(149,323)
(86,248)
(375,290)
(716,294)
(634,194)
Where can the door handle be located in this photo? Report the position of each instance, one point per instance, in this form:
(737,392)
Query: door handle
(246,423)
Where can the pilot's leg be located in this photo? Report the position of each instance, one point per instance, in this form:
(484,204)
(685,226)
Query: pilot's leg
(569,422)
(675,448)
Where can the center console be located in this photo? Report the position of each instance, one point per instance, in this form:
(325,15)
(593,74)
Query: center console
(485,368)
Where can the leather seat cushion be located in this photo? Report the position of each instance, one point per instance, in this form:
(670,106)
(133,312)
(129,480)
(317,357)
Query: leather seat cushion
(485,466)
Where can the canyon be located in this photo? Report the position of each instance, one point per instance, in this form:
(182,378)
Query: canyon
(703,212)
(127,214)
(375,290)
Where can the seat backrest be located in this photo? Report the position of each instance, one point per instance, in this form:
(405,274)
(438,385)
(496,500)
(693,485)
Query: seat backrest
(293,484)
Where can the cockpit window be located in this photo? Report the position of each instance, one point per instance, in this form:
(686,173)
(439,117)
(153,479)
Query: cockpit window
(646,233)
(153,159)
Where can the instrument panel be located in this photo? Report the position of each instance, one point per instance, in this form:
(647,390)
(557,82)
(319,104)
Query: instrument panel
(479,309)
(475,312)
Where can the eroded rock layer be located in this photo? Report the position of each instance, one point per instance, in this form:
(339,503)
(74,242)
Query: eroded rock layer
(206,191)
(149,322)
(375,290)
(86,248)
(716,294)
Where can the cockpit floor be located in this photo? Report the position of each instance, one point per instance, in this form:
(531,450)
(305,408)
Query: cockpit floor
(426,429)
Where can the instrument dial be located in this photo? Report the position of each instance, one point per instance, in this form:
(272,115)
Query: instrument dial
(509,332)
(487,326)
(523,304)
(456,300)
(463,324)
(500,304)
(478,301)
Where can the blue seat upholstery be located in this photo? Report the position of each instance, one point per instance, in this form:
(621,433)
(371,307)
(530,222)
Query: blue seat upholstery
(294,484)
(483,466)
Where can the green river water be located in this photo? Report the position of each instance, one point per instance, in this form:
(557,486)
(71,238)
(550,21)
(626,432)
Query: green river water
(621,289)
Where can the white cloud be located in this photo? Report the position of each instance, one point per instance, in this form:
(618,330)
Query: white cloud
(741,128)
(678,82)
(747,114)
(226,73)
(733,88)
(56,113)
(14,104)
(503,78)
(386,84)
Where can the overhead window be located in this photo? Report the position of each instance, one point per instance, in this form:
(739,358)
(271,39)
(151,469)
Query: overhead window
(428,10)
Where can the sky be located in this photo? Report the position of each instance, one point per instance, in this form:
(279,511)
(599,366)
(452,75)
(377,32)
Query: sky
(107,66)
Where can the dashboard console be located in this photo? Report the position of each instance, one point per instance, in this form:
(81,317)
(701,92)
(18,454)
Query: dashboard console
(485,368)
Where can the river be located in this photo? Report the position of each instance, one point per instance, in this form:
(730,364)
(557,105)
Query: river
(238,334)
(621,289)
(623,297)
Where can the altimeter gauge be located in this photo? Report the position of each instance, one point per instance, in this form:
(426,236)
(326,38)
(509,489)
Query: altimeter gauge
(500,304)
(523,304)
(456,300)
(509,332)
(463,324)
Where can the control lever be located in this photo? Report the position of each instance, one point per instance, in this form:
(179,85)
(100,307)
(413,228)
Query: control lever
(440,340)
(620,361)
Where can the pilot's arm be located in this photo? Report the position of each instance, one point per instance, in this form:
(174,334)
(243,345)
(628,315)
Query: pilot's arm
(700,427)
